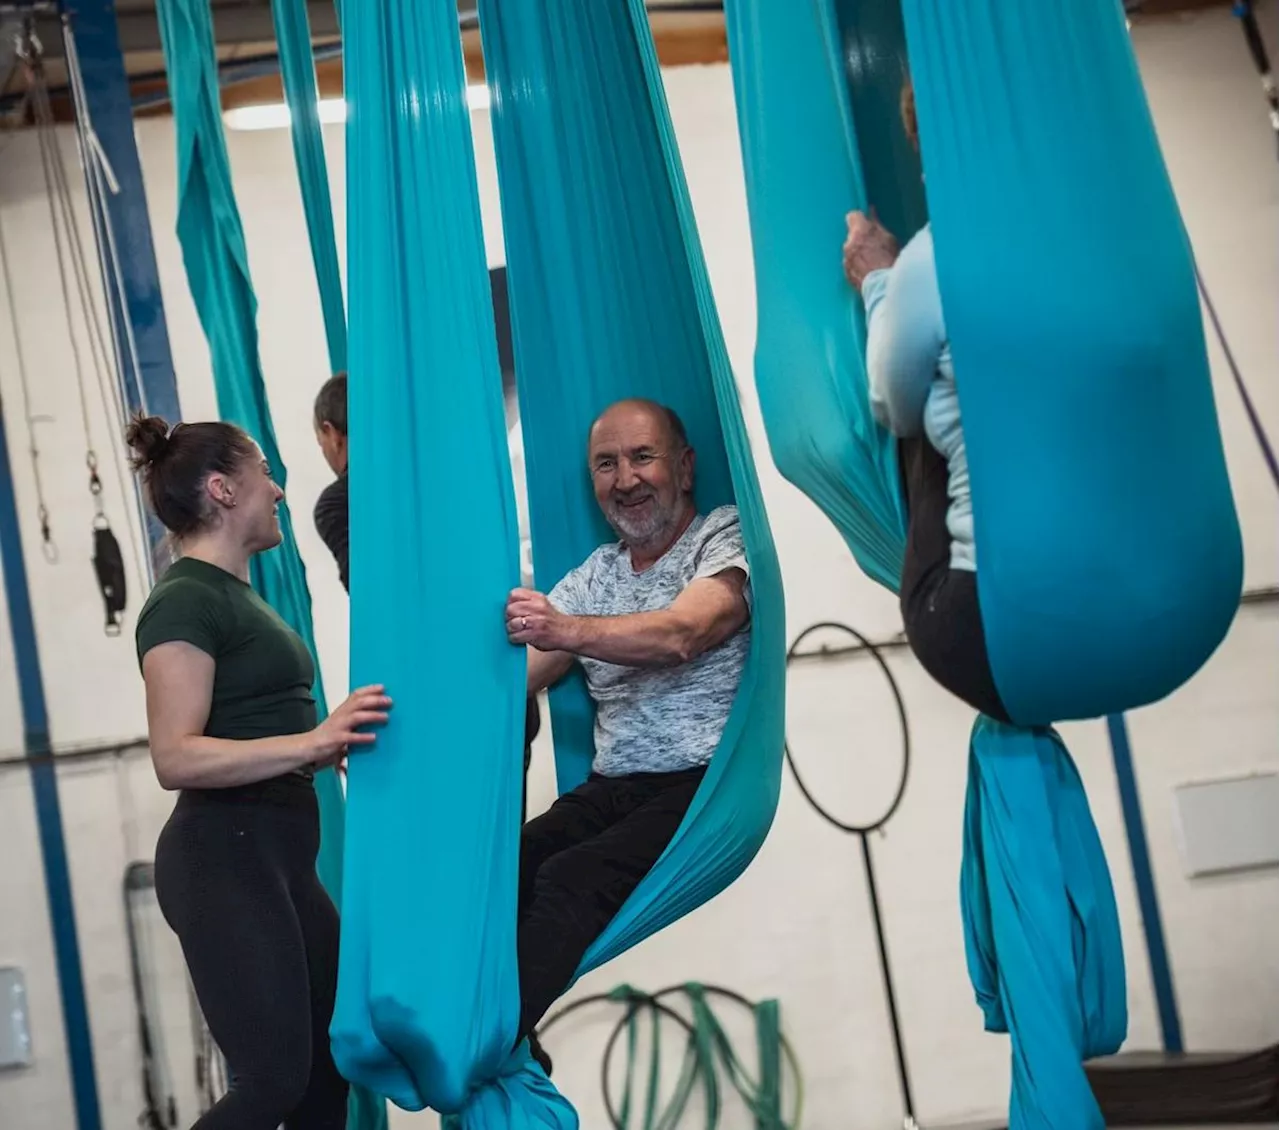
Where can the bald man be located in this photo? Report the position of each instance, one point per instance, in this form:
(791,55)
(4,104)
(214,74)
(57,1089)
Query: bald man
(660,622)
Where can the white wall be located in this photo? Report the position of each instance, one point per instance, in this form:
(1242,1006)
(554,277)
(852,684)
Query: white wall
(797,926)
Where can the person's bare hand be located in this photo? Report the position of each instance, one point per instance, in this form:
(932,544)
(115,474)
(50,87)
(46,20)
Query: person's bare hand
(532,619)
(868,246)
(365,706)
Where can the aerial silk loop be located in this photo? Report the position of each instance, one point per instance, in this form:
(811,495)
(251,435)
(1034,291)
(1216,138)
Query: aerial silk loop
(1109,550)
(609,299)
(213,248)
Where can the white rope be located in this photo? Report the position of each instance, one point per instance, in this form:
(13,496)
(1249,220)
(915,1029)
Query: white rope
(103,180)
(50,547)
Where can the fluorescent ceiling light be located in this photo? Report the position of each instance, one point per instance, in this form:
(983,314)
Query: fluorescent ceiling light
(333,111)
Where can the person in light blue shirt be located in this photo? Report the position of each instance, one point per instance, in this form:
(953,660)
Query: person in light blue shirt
(914,395)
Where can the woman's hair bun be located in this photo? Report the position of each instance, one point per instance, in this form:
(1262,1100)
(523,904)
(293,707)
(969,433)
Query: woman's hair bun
(149,437)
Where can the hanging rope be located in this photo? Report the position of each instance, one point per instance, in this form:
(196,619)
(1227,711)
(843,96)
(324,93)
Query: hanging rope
(72,261)
(1250,409)
(100,180)
(48,545)
(58,220)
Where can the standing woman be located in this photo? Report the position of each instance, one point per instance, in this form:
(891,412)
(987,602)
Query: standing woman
(232,726)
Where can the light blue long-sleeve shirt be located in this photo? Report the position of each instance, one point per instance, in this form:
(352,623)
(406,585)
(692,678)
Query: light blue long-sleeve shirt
(912,382)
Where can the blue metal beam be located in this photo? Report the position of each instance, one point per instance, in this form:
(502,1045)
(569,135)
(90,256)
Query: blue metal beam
(141,320)
(44,786)
(1144,880)
(239,70)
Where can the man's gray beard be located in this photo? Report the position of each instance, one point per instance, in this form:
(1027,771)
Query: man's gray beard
(642,535)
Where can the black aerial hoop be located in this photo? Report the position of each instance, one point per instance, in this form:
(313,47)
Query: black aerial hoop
(864,831)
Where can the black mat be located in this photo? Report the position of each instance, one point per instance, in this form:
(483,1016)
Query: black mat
(1153,1088)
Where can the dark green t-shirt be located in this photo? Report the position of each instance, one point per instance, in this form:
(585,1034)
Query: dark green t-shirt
(262,683)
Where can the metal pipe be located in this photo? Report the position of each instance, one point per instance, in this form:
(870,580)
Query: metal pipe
(1264,594)
(1267,594)
(44,788)
(1144,881)
(891,998)
(75,754)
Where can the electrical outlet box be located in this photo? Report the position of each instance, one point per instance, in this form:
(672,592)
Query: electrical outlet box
(15,1029)
(1227,825)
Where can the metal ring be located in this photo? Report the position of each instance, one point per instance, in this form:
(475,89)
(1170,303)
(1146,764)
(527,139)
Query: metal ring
(857,829)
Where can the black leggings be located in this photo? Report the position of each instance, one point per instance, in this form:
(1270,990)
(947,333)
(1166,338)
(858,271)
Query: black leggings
(940,604)
(579,862)
(236,880)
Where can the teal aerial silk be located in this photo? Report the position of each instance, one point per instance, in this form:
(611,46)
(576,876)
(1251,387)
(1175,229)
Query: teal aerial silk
(609,298)
(213,249)
(1046,968)
(298,76)
(297,68)
(804,173)
(1111,560)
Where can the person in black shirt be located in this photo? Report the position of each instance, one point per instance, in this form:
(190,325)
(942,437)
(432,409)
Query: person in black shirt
(333,525)
(331,433)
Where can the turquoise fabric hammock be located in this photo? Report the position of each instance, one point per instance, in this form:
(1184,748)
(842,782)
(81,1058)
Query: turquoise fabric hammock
(1110,568)
(609,299)
(217,266)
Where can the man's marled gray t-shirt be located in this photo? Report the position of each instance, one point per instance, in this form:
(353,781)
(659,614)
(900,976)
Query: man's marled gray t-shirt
(659,720)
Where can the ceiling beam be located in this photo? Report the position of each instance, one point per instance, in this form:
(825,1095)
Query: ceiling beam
(682,39)
(240,24)
(232,25)
(237,24)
